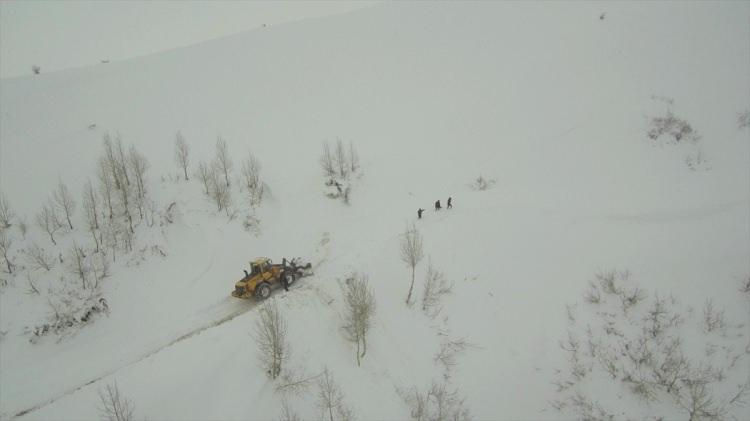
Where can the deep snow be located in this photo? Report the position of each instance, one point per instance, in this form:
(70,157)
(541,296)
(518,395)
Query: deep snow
(546,98)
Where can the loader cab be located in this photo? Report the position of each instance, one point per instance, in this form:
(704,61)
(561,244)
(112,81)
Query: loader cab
(259,266)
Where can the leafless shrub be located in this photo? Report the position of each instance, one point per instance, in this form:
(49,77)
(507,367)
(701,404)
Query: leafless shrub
(6,242)
(36,69)
(6,213)
(353,159)
(745,285)
(435,286)
(114,405)
(32,288)
(37,258)
(481,183)
(331,400)
(743,119)
(70,307)
(439,403)
(448,352)
(592,294)
(697,161)
(412,253)
(270,335)
(287,412)
(642,347)
(340,159)
(713,319)
(294,381)
(673,126)
(326,162)
(181,153)
(23,227)
(359,308)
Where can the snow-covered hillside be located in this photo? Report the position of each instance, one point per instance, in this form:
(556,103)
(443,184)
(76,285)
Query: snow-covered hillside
(552,101)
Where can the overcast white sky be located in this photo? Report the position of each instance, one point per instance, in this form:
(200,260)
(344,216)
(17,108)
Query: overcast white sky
(61,34)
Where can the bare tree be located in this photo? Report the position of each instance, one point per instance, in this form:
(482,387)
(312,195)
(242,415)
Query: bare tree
(219,191)
(181,153)
(121,165)
(411,253)
(47,220)
(64,201)
(353,158)
(359,303)
(437,404)
(105,184)
(204,175)
(326,161)
(340,159)
(435,286)
(331,400)
(6,213)
(114,405)
(138,165)
(251,178)
(77,263)
(38,258)
(223,160)
(270,335)
(287,412)
(90,211)
(6,242)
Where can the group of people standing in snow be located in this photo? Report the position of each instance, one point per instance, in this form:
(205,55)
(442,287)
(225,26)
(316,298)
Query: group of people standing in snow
(437,207)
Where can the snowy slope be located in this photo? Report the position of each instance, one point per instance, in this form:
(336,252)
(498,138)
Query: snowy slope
(546,98)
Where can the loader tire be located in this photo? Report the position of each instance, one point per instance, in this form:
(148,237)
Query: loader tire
(290,278)
(263,291)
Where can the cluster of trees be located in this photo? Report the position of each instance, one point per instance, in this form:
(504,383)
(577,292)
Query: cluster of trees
(216,175)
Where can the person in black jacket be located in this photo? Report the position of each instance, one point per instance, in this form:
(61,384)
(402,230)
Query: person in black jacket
(450,202)
(437,205)
(419,213)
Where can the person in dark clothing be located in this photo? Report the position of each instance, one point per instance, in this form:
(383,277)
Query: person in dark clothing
(437,205)
(450,202)
(284,281)
(419,213)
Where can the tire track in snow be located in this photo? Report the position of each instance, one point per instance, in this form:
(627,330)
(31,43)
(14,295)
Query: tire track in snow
(322,251)
(144,356)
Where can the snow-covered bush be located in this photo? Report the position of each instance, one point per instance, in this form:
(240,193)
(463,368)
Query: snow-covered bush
(70,307)
(697,161)
(743,119)
(659,358)
(481,183)
(36,69)
(340,169)
(672,126)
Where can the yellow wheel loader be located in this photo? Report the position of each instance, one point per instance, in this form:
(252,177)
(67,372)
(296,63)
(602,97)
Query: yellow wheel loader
(264,275)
